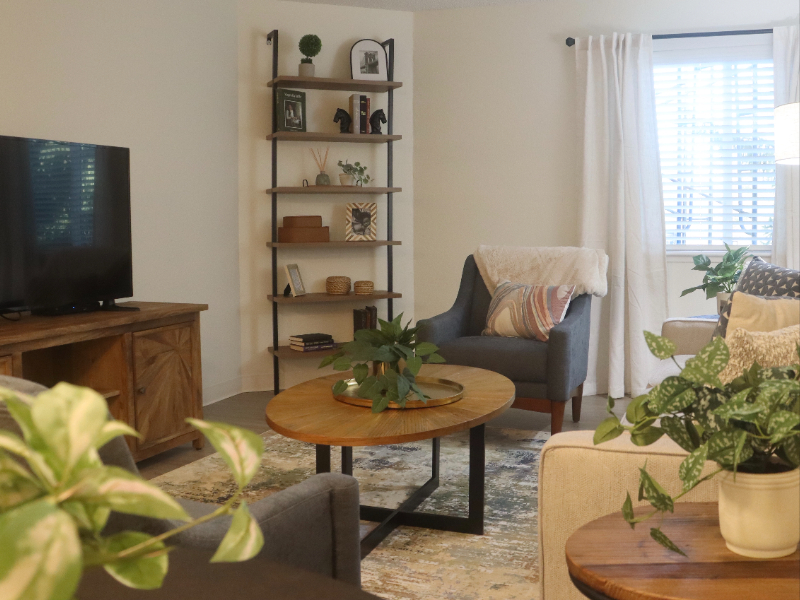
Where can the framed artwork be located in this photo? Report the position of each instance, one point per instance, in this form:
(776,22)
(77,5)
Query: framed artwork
(368,61)
(362,222)
(295,281)
(291,110)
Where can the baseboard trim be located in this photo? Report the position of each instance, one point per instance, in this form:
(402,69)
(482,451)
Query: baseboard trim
(220,391)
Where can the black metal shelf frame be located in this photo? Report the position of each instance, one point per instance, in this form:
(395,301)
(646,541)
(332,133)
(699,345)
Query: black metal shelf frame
(272,40)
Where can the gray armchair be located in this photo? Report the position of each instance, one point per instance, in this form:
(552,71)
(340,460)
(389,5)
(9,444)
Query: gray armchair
(546,375)
(313,525)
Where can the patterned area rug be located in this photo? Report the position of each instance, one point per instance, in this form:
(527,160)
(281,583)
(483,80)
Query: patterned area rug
(414,563)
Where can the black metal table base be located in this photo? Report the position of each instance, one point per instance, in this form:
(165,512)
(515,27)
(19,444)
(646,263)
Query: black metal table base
(389,519)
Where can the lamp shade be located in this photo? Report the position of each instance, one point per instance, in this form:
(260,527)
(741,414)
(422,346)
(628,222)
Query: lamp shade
(787,134)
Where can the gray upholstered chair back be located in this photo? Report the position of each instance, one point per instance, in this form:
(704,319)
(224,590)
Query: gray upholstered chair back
(480,296)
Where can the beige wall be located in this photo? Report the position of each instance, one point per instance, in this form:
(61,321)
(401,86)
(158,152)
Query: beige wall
(495,125)
(338,27)
(160,78)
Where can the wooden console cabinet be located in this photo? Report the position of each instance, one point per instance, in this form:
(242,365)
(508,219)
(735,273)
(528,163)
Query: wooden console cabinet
(146,364)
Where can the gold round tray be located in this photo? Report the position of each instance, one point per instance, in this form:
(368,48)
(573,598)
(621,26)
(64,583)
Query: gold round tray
(440,392)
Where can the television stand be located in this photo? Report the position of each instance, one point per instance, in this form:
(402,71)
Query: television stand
(112,306)
(145,362)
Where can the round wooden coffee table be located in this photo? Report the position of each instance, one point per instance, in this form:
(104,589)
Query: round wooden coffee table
(609,561)
(308,412)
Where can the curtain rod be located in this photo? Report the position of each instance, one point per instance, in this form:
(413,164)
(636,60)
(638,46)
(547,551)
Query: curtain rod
(667,36)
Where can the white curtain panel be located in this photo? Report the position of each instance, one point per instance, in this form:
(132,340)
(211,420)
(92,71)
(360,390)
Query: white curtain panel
(622,208)
(786,228)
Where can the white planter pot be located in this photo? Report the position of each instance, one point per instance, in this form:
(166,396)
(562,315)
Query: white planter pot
(346,179)
(722,298)
(306,70)
(759,514)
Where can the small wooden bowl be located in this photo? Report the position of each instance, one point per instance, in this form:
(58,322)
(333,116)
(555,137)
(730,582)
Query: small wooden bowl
(363,287)
(337,285)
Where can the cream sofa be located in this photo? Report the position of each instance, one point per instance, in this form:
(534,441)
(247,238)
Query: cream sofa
(580,482)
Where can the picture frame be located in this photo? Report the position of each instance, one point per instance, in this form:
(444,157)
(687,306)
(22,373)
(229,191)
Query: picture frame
(295,280)
(361,222)
(290,107)
(368,61)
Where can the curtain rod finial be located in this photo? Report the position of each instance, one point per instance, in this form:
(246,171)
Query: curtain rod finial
(570,42)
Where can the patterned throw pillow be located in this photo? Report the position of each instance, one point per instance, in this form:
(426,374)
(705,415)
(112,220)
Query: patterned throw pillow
(527,311)
(761,278)
(767,348)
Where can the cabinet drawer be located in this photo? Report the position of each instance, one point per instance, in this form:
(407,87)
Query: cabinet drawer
(164,390)
(5,366)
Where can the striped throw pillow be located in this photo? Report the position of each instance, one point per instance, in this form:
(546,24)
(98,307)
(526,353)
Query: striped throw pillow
(527,311)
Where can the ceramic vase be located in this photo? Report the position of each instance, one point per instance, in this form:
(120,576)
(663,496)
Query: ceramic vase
(722,298)
(323,179)
(306,69)
(346,179)
(759,514)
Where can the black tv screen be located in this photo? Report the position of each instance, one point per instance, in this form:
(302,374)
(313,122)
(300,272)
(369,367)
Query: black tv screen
(65,224)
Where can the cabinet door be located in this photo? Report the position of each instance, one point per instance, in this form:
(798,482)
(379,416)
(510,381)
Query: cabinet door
(5,365)
(164,390)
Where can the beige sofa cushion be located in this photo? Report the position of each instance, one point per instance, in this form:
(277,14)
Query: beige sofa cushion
(761,314)
(580,482)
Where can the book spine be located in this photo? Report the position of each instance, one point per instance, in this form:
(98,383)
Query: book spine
(362,104)
(311,344)
(359,319)
(373,312)
(313,349)
(355,125)
(368,322)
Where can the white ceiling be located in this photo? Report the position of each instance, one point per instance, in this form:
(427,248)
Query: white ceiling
(415,5)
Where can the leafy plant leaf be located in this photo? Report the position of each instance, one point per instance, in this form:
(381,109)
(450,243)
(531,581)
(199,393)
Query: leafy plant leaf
(791,449)
(124,492)
(425,348)
(627,511)
(145,572)
(16,483)
(331,358)
(637,410)
(414,365)
(381,403)
(646,436)
(662,539)
(608,429)
(713,356)
(112,429)
(240,448)
(660,347)
(360,373)
(41,553)
(692,466)
(653,492)
(698,373)
(722,448)
(668,393)
(244,538)
(342,363)
(339,387)
(781,424)
(676,431)
(436,358)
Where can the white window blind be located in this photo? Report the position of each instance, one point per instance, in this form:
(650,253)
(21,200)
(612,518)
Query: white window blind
(714,103)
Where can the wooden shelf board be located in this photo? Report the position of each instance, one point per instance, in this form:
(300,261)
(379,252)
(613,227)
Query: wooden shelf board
(347,245)
(333,189)
(287,352)
(351,138)
(325,83)
(323,297)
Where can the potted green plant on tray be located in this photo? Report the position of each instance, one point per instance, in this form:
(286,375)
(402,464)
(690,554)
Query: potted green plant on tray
(396,357)
(354,174)
(310,45)
(719,280)
(56,496)
(750,427)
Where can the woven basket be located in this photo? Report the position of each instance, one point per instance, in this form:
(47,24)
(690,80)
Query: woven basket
(363,287)
(337,285)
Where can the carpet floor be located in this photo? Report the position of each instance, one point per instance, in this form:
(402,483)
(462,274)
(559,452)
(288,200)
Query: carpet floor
(414,563)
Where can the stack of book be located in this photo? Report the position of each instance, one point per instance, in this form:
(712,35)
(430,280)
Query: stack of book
(365,318)
(311,342)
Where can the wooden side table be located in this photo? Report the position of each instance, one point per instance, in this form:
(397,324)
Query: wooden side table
(609,561)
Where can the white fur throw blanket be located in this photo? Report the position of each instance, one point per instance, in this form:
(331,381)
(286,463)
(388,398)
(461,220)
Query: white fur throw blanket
(582,267)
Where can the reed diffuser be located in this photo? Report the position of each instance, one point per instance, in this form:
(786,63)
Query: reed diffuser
(322,178)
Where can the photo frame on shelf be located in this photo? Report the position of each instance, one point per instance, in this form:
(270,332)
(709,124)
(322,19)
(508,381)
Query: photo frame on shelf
(291,110)
(361,223)
(295,280)
(368,61)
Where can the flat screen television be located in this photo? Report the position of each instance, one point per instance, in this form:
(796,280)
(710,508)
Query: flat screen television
(65,225)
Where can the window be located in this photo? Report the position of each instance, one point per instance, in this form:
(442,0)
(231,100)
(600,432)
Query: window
(714,103)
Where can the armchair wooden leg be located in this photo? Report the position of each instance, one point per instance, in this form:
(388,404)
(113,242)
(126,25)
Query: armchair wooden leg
(556,416)
(576,404)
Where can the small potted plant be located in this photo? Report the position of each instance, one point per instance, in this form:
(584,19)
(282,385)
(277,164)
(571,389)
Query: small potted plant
(396,358)
(56,496)
(750,427)
(310,45)
(719,280)
(354,174)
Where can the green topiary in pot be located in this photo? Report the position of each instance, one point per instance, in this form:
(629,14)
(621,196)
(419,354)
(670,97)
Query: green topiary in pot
(310,45)
(397,356)
(748,426)
(56,496)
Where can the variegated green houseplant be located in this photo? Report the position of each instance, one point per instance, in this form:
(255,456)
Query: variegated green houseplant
(750,426)
(56,496)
